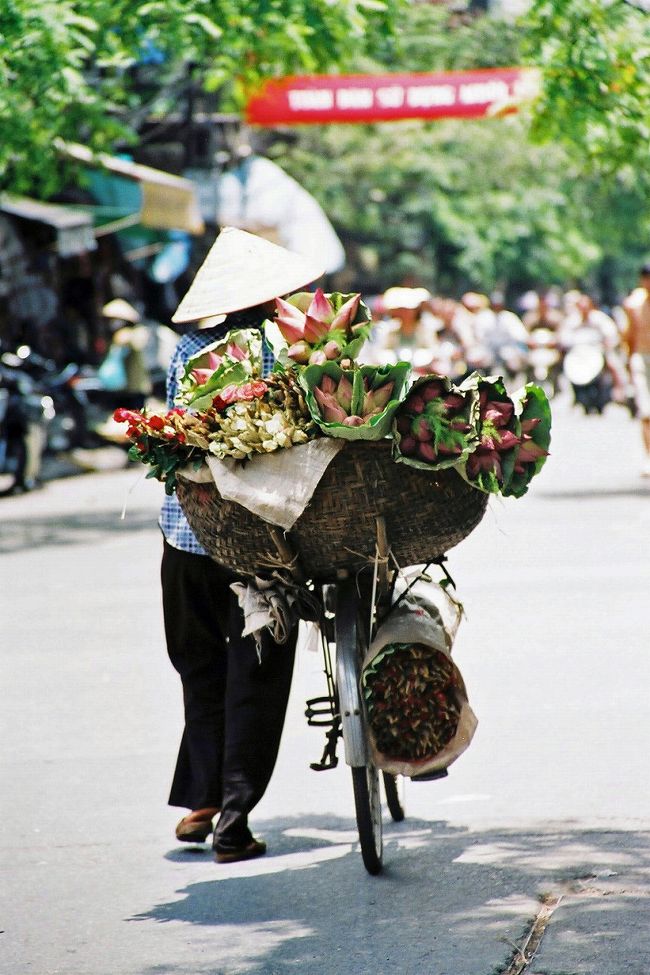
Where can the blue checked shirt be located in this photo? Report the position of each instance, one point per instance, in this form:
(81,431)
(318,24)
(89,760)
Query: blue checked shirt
(172,521)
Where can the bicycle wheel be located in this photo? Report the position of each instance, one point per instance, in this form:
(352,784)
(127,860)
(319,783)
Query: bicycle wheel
(365,777)
(394,796)
(367,803)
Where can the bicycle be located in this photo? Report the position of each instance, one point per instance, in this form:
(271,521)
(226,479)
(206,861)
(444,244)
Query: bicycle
(349,627)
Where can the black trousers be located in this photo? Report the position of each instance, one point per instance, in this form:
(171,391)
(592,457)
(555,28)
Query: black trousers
(234,705)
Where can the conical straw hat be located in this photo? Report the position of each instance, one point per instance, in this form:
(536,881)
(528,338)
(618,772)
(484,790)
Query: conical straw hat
(121,310)
(241,271)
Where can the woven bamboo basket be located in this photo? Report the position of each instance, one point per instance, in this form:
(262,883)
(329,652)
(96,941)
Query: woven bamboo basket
(426,513)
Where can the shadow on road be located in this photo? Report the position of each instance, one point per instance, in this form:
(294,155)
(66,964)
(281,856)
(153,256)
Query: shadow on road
(450,902)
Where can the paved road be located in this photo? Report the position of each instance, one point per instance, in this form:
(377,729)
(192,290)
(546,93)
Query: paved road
(546,816)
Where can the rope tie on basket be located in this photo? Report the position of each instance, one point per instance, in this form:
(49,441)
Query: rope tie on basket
(370,559)
(270,561)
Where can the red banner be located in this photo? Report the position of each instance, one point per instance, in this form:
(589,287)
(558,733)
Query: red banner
(382,98)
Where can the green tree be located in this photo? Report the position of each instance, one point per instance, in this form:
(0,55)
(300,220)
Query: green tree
(66,66)
(594,57)
(463,204)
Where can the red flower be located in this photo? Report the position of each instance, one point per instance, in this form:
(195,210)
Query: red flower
(127,416)
(156,422)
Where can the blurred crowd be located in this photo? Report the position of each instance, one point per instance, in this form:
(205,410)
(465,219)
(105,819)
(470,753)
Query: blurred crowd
(555,338)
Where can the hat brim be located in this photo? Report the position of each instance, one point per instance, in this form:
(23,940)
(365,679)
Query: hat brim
(241,271)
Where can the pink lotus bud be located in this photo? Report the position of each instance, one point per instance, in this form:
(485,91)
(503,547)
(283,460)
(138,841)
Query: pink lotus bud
(529,452)
(408,445)
(346,313)
(454,402)
(290,320)
(214,360)
(427,452)
(382,394)
(324,399)
(332,350)
(375,400)
(320,308)
(421,430)
(299,352)
(327,384)
(415,404)
(344,393)
(235,352)
(529,425)
(499,413)
(317,358)
(449,451)
(432,390)
(460,426)
(487,443)
(330,409)
(353,421)
(315,329)
(201,376)
(507,440)
(334,414)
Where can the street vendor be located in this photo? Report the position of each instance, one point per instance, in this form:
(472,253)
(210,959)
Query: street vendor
(234,699)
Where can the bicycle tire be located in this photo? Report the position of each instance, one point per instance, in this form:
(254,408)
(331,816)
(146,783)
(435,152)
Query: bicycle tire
(365,777)
(367,804)
(394,800)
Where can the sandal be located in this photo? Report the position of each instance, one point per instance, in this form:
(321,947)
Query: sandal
(193,830)
(256,848)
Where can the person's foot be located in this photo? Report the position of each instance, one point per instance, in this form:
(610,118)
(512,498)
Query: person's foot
(256,848)
(645,468)
(196,826)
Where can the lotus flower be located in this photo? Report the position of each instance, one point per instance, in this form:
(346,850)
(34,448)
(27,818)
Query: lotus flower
(344,393)
(319,333)
(433,422)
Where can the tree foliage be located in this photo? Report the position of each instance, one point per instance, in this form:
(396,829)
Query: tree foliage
(466,204)
(66,66)
(594,57)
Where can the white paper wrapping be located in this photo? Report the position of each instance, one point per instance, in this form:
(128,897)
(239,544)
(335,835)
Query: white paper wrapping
(276,487)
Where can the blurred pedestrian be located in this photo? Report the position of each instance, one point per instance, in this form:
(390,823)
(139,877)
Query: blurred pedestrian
(503,333)
(125,369)
(637,309)
(234,701)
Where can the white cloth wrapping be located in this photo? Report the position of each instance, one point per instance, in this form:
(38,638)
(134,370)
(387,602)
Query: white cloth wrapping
(267,604)
(277,487)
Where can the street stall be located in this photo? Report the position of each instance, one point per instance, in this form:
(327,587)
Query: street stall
(329,475)
(39,242)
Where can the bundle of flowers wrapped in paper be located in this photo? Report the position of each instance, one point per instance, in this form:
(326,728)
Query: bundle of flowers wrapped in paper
(357,403)
(496,442)
(435,426)
(414,696)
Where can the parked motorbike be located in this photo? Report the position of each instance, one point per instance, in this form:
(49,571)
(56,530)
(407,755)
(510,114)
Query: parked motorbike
(65,397)
(25,414)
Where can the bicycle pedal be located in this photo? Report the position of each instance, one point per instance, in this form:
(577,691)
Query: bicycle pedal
(430,776)
(324,766)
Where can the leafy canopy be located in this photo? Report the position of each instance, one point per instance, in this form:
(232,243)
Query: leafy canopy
(66,66)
